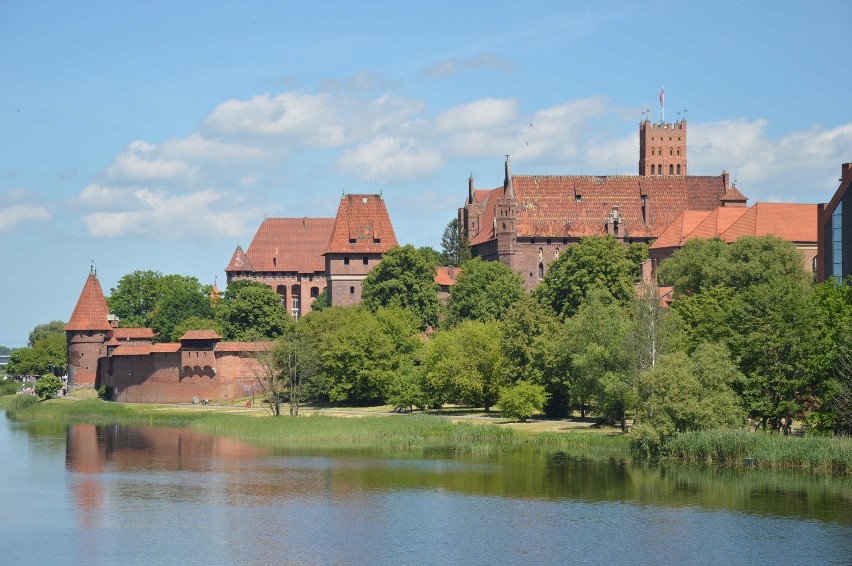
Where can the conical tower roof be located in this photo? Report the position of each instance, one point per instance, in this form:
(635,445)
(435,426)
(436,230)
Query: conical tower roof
(239,261)
(91,312)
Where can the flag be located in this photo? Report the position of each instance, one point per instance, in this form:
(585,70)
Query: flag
(662,97)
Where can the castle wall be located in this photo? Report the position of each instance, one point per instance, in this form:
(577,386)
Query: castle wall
(164,378)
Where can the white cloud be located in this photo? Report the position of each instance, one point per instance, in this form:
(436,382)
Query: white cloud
(198,148)
(479,114)
(204,216)
(390,158)
(13,216)
(141,162)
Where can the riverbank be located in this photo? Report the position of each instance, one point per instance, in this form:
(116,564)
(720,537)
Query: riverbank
(459,430)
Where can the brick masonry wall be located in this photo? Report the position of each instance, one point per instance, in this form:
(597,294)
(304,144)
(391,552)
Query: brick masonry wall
(85,348)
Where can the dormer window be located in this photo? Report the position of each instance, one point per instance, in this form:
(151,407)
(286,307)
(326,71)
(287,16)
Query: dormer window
(353,241)
(377,240)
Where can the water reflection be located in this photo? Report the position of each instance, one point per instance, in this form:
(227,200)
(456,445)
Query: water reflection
(252,476)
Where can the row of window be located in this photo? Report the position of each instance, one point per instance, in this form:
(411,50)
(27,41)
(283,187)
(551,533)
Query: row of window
(659,170)
(365,260)
(660,152)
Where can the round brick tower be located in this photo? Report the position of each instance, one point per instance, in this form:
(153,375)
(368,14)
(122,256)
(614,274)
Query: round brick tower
(86,333)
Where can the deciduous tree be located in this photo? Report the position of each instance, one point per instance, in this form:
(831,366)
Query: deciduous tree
(484,291)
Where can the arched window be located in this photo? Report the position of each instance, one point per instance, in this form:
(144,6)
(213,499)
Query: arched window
(557,253)
(653,170)
(351,290)
(540,270)
(282,293)
(659,168)
(504,226)
(678,153)
(671,169)
(652,151)
(540,254)
(671,151)
(678,168)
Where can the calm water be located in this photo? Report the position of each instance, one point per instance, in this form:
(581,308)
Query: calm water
(113,495)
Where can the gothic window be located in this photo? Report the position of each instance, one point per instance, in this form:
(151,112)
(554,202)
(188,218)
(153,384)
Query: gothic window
(351,290)
(540,251)
(671,151)
(652,151)
(671,169)
(653,170)
(678,168)
(557,253)
(504,226)
(659,168)
(540,270)
(678,153)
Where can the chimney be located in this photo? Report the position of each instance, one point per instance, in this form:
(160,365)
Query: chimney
(726,180)
(845,170)
(646,209)
(470,189)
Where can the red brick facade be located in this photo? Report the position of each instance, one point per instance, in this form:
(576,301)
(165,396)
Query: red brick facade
(528,221)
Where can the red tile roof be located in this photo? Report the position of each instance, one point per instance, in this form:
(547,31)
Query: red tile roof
(446,275)
(285,244)
(132,333)
(362,225)
(91,311)
(793,222)
(239,261)
(576,206)
(243,346)
(200,335)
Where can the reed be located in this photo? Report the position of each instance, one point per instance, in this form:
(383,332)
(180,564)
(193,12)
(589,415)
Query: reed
(762,450)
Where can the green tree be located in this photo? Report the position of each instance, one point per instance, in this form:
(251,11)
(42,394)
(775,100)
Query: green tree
(134,297)
(251,311)
(43,330)
(484,291)
(432,256)
(298,364)
(4,350)
(181,297)
(521,401)
(48,355)
(47,386)
(455,245)
(596,262)
(698,265)
(692,392)
(403,279)
(463,364)
(321,301)
(525,330)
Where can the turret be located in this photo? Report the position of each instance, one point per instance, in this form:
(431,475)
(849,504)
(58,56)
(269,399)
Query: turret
(87,332)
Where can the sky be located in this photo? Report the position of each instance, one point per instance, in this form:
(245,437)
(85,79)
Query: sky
(158,135)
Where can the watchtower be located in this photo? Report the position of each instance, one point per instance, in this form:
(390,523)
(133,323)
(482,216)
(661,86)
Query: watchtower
(662,149)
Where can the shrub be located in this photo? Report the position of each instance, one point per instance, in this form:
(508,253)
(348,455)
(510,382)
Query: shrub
(521,401)
(9,387)
(47,386)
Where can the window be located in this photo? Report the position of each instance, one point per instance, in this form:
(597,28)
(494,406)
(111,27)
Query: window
(351,290)
(671,169)
(366,260)
(578,197)
(540,270)
(377,240)
(346,260)
(659,168)
(314,292)
(652,151)
(653,170)
(671,151)
(678,169)
(557,253)
(540,252)
(837,242)
(678,153)
(352,240)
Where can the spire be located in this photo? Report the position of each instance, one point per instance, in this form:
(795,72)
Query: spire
(508,185)
(91,311)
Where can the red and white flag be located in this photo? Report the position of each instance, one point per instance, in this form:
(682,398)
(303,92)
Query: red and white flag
(662,97)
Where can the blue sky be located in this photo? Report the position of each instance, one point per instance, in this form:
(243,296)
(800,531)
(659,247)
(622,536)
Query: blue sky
(157,135)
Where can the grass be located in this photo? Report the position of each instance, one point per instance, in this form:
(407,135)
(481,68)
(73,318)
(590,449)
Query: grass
(770,451)
(421,431)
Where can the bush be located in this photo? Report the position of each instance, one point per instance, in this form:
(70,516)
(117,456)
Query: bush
(9,387)
(47,386)
(521,401)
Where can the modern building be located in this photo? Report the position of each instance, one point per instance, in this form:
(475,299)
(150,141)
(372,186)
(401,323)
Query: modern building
(834,257)
(531,218)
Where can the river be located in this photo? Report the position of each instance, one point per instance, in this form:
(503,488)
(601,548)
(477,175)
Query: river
(85,494)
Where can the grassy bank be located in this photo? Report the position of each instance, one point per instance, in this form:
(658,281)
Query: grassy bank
(405,432)
(733,447)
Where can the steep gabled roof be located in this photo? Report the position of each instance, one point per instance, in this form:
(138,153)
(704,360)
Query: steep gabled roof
(91,311)
(285,245)
(362,225)
(239,261)
(570,206)
(445,275)
(132,333)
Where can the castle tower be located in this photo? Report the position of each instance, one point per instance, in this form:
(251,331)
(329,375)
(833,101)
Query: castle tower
(87,332)
(505,220)
(662,149)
